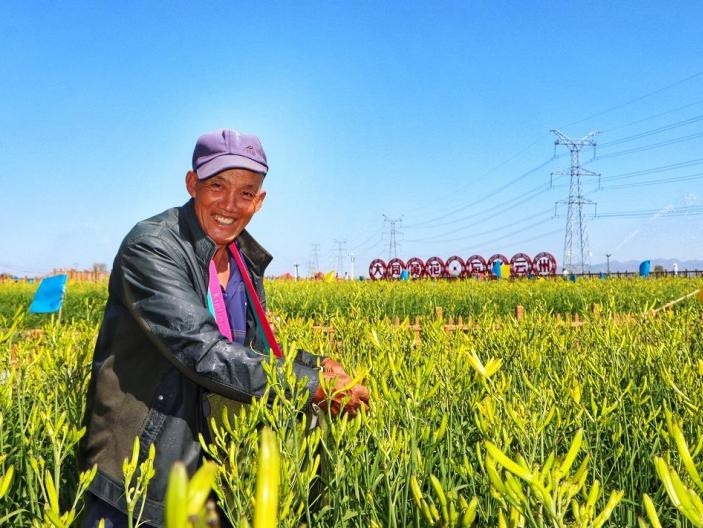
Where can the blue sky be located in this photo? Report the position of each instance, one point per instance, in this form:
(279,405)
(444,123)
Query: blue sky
(436,113)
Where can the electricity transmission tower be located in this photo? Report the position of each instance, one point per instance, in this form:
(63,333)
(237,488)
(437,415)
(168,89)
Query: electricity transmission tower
(341,253)
(315,260)
(575,219)
(393,241)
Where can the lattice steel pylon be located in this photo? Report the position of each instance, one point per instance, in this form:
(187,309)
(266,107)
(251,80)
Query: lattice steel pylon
(314,263)
(393,241)
(575,219)
(341,246)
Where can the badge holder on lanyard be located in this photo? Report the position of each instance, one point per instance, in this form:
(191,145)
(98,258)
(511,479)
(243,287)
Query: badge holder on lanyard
(216,304)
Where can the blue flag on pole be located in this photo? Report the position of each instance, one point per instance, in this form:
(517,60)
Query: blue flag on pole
(49,296)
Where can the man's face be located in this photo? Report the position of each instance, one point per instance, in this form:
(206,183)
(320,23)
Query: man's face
(225,202)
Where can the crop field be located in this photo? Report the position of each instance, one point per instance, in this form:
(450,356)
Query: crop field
(540,421)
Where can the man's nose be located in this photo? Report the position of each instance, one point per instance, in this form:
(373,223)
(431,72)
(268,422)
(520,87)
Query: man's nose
(230,200)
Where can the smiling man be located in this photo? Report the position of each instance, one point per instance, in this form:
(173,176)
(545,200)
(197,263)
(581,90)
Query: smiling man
(185,320)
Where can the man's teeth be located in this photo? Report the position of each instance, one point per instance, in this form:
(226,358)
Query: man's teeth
(224,220)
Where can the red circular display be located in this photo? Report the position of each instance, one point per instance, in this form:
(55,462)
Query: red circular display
(416,268)
(455,267)
(476,266)
(520,265)
(434,267)
(503,260)
(377,269)
(394,267)
(544,264)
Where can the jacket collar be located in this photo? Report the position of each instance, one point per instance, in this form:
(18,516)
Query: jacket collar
(257,257)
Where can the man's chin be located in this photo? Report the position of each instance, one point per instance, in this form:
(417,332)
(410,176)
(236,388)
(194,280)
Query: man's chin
(225,241)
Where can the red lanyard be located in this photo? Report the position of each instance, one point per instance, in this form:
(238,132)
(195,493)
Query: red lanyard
(254,299)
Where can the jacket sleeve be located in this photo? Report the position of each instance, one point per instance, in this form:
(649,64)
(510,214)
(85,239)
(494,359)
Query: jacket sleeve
(159,292)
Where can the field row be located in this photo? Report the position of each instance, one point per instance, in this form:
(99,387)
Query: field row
(375,300)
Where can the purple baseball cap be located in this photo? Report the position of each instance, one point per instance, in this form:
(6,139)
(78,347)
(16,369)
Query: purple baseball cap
(228,149)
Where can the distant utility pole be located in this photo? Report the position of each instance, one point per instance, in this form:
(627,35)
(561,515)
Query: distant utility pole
(575,220)
(393,241)
(341,248)
(607,262)
(296,266)
(352,258)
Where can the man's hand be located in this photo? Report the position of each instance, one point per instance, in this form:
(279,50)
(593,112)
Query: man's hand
(340,396)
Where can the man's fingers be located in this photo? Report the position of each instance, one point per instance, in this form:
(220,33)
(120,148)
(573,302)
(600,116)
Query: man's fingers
(330,366)
(342,395)
(338,380)
(362,393)
(356,397)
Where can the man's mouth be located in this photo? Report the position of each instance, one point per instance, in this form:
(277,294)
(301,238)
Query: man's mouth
(223,220)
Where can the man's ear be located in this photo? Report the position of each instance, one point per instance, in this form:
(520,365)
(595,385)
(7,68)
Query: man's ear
(191,181)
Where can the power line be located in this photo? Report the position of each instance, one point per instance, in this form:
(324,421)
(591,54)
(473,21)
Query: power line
(433,221)
(673,179)
(493,240)
(493,230)
(489,212)
(657,130)
(651,146)
(685,210)
(480,177)
(637,99)
(653,170)
(370,243)
(650,117)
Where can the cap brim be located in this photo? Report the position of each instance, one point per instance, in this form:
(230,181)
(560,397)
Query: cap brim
(229,161)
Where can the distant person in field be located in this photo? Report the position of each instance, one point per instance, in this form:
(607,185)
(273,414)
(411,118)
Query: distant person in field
(181,323)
